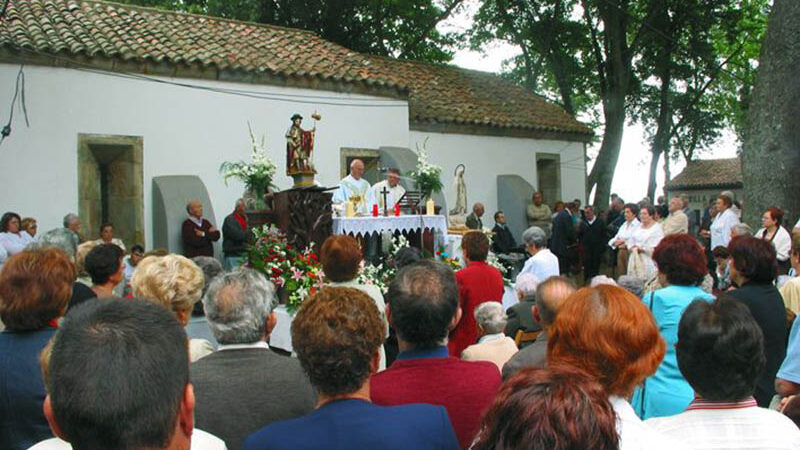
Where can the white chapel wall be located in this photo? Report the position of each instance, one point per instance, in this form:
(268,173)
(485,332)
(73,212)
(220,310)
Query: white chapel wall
(485,157)
(185,132)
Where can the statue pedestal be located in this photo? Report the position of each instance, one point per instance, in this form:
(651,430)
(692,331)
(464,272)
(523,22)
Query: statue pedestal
(303,179)
(304,215)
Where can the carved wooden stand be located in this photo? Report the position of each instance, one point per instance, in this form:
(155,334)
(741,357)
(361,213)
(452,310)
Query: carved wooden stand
(304,215)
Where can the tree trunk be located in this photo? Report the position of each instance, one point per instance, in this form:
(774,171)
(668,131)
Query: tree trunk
(660,145)
(603,170)
(771,151)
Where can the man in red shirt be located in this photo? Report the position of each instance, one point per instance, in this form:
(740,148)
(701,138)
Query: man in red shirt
(477,283)
(423,305)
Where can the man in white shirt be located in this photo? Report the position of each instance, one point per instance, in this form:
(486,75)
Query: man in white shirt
(117,377)
(353,186)
(720,352)
(542,263)
(393,191)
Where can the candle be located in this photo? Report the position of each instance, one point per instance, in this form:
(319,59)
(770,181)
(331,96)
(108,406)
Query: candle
(349,212)
(397,209)
(374,210)
(429,207)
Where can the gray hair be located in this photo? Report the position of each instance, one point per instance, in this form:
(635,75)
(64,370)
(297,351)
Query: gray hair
(69,218)
(741,229)
(490,317)
(632,284)
(597,280)
(211,269)
(239,201)
(237,305)
(534,236)
(61,238)
(525,284)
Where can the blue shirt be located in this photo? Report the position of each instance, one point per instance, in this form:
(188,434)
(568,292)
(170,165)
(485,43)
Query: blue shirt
(790,369)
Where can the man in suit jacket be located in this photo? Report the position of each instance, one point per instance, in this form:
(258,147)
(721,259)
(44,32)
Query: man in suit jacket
(593,241)
(198,233)
(503,241)
(423,307)
(235,235)
(550,294)
(564,237)
(520,315)
(344,321)
(474,221)
(244,385)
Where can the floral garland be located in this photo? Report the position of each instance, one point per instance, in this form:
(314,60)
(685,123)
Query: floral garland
(426,176)
(257,176)
(382,274)
(298,272)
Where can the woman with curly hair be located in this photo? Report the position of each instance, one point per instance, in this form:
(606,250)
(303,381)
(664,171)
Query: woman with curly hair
(681,268)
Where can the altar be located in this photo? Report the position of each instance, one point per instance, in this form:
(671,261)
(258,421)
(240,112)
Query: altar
(367,225)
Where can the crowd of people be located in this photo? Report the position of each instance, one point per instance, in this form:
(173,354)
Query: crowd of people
(688,340)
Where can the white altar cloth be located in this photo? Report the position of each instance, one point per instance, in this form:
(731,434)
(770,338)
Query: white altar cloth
(368,225)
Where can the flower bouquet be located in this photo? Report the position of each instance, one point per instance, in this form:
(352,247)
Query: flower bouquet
(382,274)
(256,175)
(297,272)
(426,176)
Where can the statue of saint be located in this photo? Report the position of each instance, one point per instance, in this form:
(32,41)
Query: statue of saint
(299,147)
(461,192)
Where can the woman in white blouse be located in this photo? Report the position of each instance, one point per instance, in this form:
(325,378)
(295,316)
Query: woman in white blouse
(773,231)
(643,241)
(720,231)
(11,238)
(621,241)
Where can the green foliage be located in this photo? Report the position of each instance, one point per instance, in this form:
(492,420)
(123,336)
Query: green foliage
(398,28)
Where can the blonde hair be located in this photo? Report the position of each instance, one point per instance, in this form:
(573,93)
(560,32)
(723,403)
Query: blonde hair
(173,281)
(80,257)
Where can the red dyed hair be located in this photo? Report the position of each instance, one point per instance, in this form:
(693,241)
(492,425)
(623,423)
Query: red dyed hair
(475,245)
(681,259)
(340,257)
(609,333)
(35,287)
(754,258)
(555,408)
(776,214)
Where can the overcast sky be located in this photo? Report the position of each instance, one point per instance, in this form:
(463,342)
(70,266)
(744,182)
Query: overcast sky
(634,159)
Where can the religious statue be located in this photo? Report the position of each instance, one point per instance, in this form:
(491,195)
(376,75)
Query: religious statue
(300,151)
(458,214)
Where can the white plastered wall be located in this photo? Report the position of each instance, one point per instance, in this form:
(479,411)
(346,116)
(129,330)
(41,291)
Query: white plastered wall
(184,131)
(485,157)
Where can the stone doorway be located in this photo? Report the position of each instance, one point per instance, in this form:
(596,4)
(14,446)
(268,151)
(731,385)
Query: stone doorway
(111,186)
(368,156)
(548,176)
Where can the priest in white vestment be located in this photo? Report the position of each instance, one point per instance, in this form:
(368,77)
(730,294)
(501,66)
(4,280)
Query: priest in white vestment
(353,185)
(393,192)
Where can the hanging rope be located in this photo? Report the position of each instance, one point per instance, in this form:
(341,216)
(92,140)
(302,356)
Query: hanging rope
(19,92)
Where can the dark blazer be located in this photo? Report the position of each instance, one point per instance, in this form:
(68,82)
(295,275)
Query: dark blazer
(593,237)
(503,241)
(563,234)
(239,391)
(194,245)
(357,424)
(234,238)
(22,422)
(474,222)
(534,355)
(520,317)
(766,306)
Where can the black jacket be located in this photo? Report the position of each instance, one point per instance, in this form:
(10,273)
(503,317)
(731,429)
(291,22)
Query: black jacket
(234,237)
(564,235)
(503,240)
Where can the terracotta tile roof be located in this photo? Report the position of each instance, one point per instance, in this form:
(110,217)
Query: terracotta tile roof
(709,173)
(437,94)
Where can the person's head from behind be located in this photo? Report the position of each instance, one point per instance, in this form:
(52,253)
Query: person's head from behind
(340,257)
(741,229)
(720,349)
(173,281)
(239,307)
(423,304)
(490,318)
(525,286)
(35,287)
(104,264)
(137,393)
(406,256)
(550,295)
(721,256)
(609,333)
(211,269)
(632,284)
(557,408)
(534,239)
(337,334)
(475,246)
(752,260)
(680,260)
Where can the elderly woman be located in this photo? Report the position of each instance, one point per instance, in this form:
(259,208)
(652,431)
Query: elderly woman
(478,282)
(337,334)
(493,345)
(520,316)
(558,407)
(609,333)
(720,230)
(681,268)
(753,269)
(642,243)
(772,231)
(790,291)
(542,264)
(622,240)
(341,258)
(29,226)
(176,283)
(35,286)
(12,237)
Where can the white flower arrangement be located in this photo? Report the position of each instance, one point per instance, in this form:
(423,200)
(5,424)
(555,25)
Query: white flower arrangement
(257,176)
(426,176)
